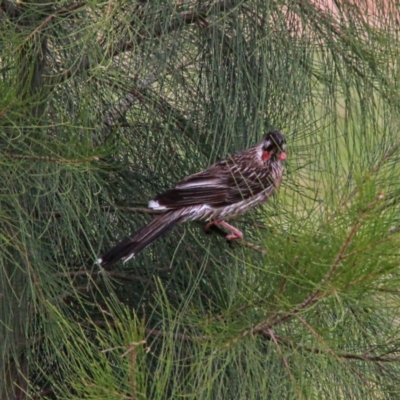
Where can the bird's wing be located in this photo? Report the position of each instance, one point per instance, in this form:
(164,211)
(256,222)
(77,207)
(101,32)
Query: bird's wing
(220,185)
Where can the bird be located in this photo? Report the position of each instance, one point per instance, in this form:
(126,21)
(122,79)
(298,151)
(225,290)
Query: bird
(227,188)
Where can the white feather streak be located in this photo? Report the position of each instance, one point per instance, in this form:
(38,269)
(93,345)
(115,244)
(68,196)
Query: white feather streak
(211,182)
(128,258)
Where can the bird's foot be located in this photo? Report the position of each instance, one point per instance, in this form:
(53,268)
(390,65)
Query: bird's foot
(235,233)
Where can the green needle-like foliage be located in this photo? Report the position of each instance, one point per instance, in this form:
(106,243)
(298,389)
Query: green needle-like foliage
(105,104)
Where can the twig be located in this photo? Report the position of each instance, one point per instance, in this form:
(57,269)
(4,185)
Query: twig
(285,361)
(319,337)
(349,238)
(184,18)
(280,340)
(119,110)
(253,246)
(306,303)
(373,170)
(316,334)
(351,356)
(3,112)
(317,294)
(47,20)
(370,246)
(132,346)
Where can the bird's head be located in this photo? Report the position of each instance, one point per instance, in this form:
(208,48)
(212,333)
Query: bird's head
(274,146)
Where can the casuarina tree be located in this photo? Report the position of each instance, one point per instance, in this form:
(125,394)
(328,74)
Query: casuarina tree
(106,105)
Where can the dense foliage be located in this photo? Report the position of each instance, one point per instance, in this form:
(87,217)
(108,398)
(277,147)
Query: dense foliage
(103,105)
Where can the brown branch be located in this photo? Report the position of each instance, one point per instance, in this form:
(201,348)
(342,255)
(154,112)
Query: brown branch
(3,112)
(319,338)
(78,66)
(280,340)
(119,110)
(132,351)
(317,294)
(317,335)
(285,361)
(252,246)
(351,356)
(363,357)
(270,335)
(184,18)
(47,20)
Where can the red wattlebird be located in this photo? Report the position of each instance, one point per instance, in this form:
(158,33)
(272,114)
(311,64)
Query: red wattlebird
(227,188)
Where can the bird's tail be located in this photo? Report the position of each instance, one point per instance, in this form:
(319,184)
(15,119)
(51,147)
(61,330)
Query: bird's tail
(138,241)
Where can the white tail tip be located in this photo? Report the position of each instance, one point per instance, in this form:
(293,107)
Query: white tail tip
(155,205)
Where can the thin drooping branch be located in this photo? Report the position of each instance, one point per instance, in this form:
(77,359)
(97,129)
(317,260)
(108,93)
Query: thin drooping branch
(366,356)
(62,12)
(374,169)
(184,18)
(279,340)
(117,112)
(177,22)
(319,293)
(271,334)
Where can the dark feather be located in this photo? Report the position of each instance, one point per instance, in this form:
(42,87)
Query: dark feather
(139,240)
(222,184)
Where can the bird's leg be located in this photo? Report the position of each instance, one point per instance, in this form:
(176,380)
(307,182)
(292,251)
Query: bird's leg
(235,233)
